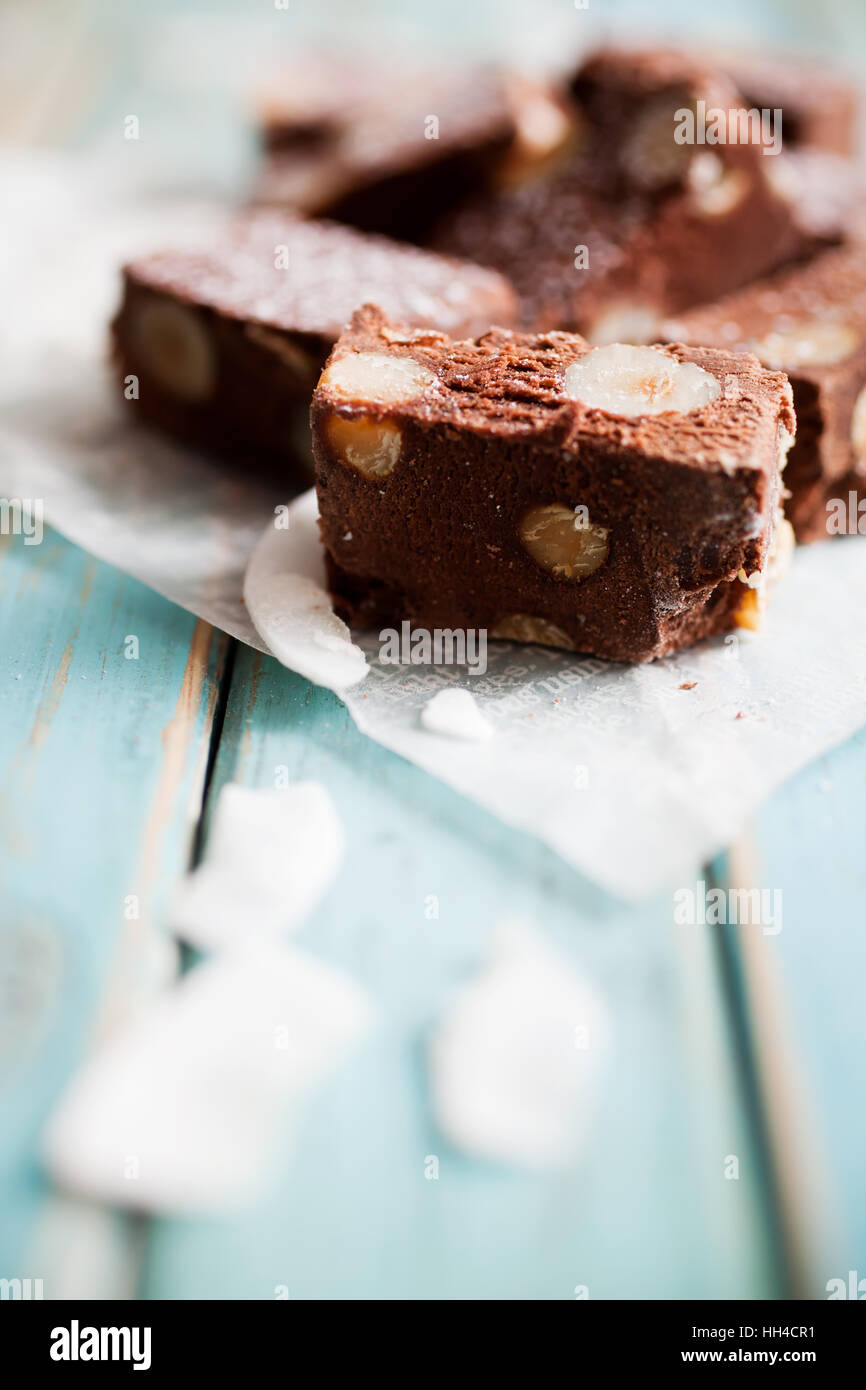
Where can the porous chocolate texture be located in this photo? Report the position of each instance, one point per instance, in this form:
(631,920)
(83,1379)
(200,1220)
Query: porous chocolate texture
(811,323)
(396,156)
(567,250)
(227,343)
(505,484)
(635,225)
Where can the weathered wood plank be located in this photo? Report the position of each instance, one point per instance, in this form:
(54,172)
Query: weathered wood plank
(809,982)
(102,762)
(354,1196)
(648,1210)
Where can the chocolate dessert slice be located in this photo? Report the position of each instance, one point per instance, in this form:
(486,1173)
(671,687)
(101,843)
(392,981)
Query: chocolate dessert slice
(620,501)
(393,154)
(223,346)
(811,323)
(651,215)
(820,106)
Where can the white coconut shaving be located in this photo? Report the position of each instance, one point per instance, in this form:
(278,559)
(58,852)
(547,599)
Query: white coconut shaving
(271,855)
(455,714)
(191,1108)
(517,1058)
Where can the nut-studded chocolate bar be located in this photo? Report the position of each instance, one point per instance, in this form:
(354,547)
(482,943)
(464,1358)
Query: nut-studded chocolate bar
(621,501)
(395,155)
(811,323)
(819,106)
(649,217)
(226,343)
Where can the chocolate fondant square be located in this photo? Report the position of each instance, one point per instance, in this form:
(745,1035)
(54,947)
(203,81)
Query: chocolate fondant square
(621,501)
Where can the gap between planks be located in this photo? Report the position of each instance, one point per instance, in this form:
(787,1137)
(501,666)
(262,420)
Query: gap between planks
(98,1253)
(776,1092)
(87,1250)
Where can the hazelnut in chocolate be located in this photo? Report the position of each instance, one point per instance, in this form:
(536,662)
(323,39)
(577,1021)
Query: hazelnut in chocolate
(621,501)
(811,323)
(651,215)
(228,342)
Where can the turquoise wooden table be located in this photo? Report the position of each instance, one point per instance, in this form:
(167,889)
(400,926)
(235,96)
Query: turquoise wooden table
(728,1043)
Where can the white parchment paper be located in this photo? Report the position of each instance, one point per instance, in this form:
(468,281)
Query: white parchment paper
(633,774)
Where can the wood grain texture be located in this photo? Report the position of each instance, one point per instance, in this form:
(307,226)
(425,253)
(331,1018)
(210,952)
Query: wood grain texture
(102,762)
(810,843)
(101,771)
(647,1212)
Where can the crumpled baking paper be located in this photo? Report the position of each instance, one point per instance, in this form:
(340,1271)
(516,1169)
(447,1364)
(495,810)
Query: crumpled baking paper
(632,774)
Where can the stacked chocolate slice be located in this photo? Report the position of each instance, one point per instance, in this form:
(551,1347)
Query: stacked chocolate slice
(497,444)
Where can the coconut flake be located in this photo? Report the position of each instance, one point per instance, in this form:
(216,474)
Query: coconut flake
(455,714)
(190,1108)
(271,855)
(516,1061)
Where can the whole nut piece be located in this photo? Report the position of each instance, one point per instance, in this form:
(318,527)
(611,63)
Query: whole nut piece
(174,347)
(559,541)
(716,190)
(858,431)
(544,131)
(377,379)
(624,322)
(300,363)
(808,343)
(651,156)
(371,446)
(781,553)
(521,627)
(542,122)
(625,380)
(750,610)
